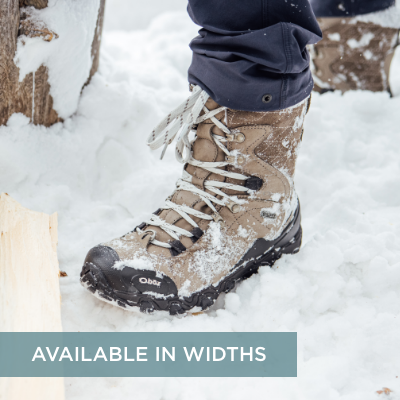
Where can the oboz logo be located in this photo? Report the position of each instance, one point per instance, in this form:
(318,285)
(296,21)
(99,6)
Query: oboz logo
(267,214)
(150,281)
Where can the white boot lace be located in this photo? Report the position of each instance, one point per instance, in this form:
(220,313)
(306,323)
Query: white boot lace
(179,123)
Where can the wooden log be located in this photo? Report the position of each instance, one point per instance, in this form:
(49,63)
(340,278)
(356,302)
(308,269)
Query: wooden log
(95,51)
(30,97)
(29,289)
(39,4)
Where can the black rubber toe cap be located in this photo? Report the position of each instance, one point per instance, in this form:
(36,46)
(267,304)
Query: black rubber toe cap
(99,272)
(103,257)
(99,269)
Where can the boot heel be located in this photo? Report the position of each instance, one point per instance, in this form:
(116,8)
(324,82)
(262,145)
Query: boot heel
(293,246)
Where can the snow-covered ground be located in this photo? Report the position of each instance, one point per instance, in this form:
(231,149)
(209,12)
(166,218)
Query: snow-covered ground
(341,293)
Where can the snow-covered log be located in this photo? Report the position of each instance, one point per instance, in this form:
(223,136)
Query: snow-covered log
(29,289)
(32,89)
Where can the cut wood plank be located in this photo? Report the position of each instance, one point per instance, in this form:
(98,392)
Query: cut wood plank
(29,289)
(29,275)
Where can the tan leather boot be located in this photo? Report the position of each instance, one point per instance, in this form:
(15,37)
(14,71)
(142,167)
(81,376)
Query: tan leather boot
(353,55)
(234,209)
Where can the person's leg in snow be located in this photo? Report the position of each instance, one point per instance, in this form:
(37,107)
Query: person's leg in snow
(235,207)
(359,39)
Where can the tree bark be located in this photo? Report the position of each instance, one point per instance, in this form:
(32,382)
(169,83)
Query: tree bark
(30,97)
(39,4)
(96,40)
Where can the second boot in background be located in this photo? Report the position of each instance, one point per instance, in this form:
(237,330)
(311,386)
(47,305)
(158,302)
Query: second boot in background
(353,55)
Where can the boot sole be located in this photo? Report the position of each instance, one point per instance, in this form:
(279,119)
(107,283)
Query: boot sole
(262,253)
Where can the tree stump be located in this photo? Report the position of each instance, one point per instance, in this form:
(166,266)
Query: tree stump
(31,96)
(29,289)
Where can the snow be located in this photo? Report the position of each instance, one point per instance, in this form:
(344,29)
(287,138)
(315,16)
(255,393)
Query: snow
(139,263)
(340,293)
(335,37)
(388,18)
(364,41)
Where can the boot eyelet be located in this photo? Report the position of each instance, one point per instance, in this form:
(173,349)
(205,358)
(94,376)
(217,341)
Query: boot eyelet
(237,137)
(240,138)
(149,232)
(218,218)
(235,160)
(241,160)
(234,207)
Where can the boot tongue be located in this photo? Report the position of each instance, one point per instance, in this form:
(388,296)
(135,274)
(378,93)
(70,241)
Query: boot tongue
(212,105)
(204,149)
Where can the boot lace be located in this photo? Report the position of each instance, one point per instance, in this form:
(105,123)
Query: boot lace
(178,124)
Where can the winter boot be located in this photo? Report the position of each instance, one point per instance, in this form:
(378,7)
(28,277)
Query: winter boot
(234,210)
(353,55)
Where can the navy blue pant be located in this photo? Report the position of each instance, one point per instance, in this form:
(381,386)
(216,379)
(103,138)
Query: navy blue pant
(251,54)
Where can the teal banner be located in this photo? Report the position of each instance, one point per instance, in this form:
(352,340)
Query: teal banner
(231,354)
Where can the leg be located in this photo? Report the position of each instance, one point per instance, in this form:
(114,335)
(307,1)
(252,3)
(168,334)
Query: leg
(235,207)
(258,44)
(358,46)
